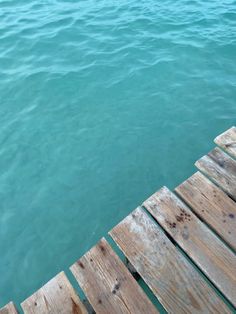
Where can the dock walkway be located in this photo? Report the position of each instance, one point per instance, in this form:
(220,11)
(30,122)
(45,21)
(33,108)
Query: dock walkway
(182,244)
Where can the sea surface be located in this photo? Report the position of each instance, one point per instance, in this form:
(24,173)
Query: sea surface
(102,102)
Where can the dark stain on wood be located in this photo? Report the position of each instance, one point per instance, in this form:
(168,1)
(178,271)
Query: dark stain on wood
(171,224)
(116,288)
(102,248)
(75,308)
(80,264)
(180,218)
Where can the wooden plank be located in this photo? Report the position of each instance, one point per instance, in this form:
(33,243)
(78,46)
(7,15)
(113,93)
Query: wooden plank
(212,205)
(221,169)
(8,309)
(108,284)
(227,141)
(174,281)
(196,239)
(55,297)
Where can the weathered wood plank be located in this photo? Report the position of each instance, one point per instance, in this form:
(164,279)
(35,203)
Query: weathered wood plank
(227,141)
(56,297)
(107,283)
(196,239)
(221,169)
(8,309)
(212,205)
(173,280)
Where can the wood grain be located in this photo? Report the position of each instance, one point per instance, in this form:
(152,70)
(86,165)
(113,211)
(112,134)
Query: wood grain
(56,297)
(107,283)
(227,141)
(8,309)
(173,280)
(196,239)
(212,205)
(221,169)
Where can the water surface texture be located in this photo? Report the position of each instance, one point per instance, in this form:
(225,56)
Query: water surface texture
(102,103)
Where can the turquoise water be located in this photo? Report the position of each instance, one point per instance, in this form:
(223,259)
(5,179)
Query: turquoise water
(102,103)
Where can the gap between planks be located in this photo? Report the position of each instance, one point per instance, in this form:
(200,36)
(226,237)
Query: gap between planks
(108,284)
(172,279)
(209,253)
(221,169)
(212,205)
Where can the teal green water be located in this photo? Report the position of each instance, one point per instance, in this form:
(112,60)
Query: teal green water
(102,103)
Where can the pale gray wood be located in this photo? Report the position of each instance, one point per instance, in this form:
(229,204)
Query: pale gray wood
(196,239)
(55,297)
(227,141)
(9,309)
(221,168)
(108,284)
(174,281)
(214,206)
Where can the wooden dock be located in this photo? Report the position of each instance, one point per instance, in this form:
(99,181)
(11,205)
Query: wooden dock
(182,244)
